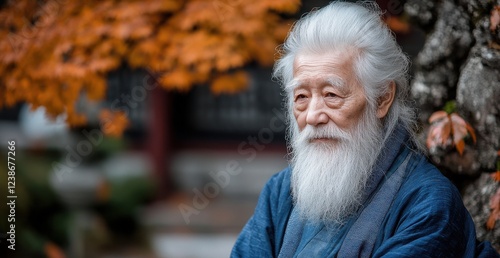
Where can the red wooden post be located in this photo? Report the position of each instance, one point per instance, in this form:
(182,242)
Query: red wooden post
(159,139)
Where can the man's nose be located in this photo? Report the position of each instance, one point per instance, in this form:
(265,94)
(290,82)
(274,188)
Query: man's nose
(316,112)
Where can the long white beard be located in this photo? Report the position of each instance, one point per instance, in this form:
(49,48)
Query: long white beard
(329,179)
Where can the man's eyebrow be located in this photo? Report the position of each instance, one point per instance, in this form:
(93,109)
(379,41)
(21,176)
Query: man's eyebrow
(336,82)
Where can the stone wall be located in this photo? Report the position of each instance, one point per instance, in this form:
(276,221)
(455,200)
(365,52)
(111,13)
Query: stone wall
(460,61)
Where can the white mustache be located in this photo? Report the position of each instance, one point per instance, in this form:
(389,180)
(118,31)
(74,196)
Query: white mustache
(322,132)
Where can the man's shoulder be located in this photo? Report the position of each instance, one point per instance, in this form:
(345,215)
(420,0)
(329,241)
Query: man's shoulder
(427,216)
(426,184)
(280,177)
(279,182)
(275,202)
(424,174)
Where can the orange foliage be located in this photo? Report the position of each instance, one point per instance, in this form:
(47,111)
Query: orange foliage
(113,123)
(52,51)
(53,251)
(448,129)
(495,18)
(229,83)
(397,24)
(495,199)
(103,191)
(496,176)
(495,210)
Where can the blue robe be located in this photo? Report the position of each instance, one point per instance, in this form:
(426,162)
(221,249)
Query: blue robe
(425,217)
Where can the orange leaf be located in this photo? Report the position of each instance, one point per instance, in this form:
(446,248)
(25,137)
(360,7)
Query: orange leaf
(490,223)
(113,123)
(496,176)
(286,6)
(95,88)
(445,132)
(75,119)
(444,126)
(179,79)
(495,200)
(53,251)
(440,130)
(460,145)
(230,83)
(396,24)
(471,132)
(438,115)
(104,64)
(459,128)
(103,191)
(495,18)
(495,210)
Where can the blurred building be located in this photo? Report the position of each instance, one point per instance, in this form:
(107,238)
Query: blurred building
(209,155)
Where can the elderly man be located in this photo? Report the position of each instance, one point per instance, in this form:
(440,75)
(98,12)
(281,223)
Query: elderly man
(358,184)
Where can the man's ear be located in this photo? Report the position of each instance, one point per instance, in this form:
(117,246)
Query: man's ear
(385,101)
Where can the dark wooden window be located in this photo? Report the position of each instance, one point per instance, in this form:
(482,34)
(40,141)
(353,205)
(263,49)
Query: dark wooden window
(200,114)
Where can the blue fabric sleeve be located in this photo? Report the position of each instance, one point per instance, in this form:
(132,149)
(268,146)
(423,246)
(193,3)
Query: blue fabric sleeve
(428,220)
(263,234)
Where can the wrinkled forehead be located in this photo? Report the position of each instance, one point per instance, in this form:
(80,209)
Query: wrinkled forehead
(334,68)
(332,80)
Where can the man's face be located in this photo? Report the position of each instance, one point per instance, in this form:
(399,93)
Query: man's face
(326,92)
(336,139)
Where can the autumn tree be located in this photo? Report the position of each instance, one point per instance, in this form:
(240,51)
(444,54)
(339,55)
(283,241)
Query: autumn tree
(54,52)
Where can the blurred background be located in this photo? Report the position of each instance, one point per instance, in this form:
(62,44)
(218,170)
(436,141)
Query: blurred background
(148,128)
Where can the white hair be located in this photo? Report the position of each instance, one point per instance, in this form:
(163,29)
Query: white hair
(378,60)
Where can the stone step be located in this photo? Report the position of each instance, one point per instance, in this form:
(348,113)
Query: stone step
(219,215)
(193,246)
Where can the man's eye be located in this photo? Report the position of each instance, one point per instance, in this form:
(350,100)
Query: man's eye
(331,95)
(300,96)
